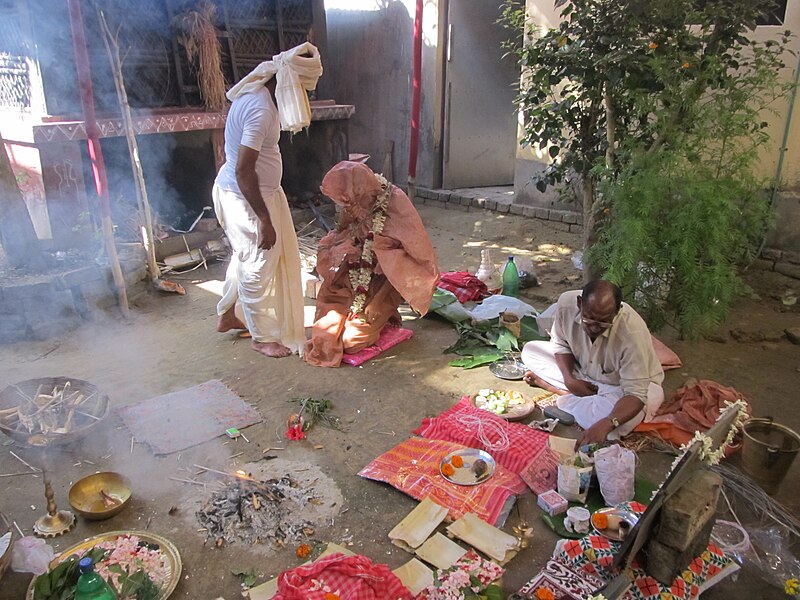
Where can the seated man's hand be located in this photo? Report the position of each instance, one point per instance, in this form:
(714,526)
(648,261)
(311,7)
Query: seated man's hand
(580,387)
(596,434)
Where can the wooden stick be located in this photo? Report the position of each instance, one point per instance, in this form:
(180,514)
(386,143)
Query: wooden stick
(18,529)
(31,467)
(214,471)
(18,474)
(188,481)
(112,47)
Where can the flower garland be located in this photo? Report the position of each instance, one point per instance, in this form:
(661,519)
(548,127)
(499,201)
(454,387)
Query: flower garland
(706,454)
(361,271)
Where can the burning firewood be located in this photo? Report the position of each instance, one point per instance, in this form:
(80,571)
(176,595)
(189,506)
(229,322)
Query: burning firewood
(53,412)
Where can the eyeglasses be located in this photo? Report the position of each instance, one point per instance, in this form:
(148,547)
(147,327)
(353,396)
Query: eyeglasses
(599,324)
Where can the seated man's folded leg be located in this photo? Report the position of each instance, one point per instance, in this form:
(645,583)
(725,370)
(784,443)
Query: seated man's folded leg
(540,358)
(360,334)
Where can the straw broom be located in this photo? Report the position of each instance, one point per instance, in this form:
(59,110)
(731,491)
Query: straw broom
(203,49)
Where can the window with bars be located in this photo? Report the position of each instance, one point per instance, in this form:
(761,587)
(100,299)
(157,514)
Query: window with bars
(15,85)
(155,66)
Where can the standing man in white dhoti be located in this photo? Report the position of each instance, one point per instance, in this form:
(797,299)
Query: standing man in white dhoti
(600,358)
(263,291)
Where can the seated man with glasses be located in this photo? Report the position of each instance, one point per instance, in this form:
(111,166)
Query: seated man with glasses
(600,359)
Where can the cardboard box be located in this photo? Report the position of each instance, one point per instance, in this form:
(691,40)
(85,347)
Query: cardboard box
(552,503)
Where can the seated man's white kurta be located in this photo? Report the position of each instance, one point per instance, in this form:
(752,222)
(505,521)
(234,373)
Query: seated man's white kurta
(601,358)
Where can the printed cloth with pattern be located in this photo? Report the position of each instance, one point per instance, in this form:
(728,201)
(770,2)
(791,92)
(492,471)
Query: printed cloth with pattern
(413,468)
(594,555)
(348,577)
(528,454)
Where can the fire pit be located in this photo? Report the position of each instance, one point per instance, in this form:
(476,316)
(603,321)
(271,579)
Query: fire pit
(275,512)
(59,409)
(52,411)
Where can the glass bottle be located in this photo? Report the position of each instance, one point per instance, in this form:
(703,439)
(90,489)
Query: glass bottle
(510,279)
(91,585)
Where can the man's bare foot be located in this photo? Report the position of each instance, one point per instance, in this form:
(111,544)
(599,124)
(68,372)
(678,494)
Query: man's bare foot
(228,321)
(533,380)
(272,349)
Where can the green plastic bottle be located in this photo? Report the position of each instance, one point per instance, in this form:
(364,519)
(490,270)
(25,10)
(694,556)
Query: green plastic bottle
(510,279)
(91,586)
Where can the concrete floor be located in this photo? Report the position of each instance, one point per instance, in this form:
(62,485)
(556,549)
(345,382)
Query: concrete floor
(169,344)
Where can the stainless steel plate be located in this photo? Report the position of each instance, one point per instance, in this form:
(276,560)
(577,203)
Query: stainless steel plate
(466,475)
(620,523)
(511,370)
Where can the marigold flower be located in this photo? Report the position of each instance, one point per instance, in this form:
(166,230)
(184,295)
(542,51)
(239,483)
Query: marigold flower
(303,550)
(448,470)
(457,461)
(792,586)
(330,596)
(543,593)
(600,520)
(652,45)
(685,65)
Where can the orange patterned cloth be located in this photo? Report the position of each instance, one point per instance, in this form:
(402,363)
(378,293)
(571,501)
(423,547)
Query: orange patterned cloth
(404,265)
(413,468)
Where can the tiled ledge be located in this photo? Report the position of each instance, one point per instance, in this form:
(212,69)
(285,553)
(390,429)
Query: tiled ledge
(561,219)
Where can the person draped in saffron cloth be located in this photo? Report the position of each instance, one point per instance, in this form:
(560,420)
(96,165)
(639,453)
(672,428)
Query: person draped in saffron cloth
(378,256)
(600,358)
(263,291)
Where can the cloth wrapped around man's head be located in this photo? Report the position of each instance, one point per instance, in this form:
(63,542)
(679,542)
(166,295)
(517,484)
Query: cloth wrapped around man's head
(399,263)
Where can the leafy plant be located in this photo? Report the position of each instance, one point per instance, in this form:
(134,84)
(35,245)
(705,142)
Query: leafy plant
(315,410)
(654,111)
(59,582)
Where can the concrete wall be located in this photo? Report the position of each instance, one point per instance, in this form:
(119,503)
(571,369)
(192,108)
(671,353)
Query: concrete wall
(368,63)
(529,162)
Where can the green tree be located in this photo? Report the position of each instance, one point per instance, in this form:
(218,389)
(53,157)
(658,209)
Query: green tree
(651,108)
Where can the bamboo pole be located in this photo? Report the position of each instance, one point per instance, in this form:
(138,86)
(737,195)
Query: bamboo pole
(95,151)
(142,200)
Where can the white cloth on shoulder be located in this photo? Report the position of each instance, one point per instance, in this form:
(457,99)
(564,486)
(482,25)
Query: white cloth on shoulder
(539,357)
(295,75)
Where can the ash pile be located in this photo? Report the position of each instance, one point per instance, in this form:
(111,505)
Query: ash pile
(275,511)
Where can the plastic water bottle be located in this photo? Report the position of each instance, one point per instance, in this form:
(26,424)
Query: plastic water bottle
(91,586)
(510,279)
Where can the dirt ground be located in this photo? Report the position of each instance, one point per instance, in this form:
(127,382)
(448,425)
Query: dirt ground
(169,344)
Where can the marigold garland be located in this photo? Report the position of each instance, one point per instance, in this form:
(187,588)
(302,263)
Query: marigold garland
(361,271)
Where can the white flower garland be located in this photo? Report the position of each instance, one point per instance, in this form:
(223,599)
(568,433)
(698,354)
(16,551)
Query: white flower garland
(361,276)
(707,455)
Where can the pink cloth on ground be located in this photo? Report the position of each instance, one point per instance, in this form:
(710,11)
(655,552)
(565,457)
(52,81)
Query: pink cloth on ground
(349,577)
(413,468)
(390,336)
(528,454)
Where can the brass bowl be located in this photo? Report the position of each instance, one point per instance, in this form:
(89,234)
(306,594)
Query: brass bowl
(86,498)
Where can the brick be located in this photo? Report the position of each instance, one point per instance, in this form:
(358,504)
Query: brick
(78,277)
(466,200)
(687,512)
(516,209)
(43,330)
(570,218)
(771,254)
(788,269)
(444,196)
(791,257)
(491,205)
(542,213)
(503,208)
(529,211)
(559,226)
(764,265)
(580,218)
(574,228)
(665,563)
